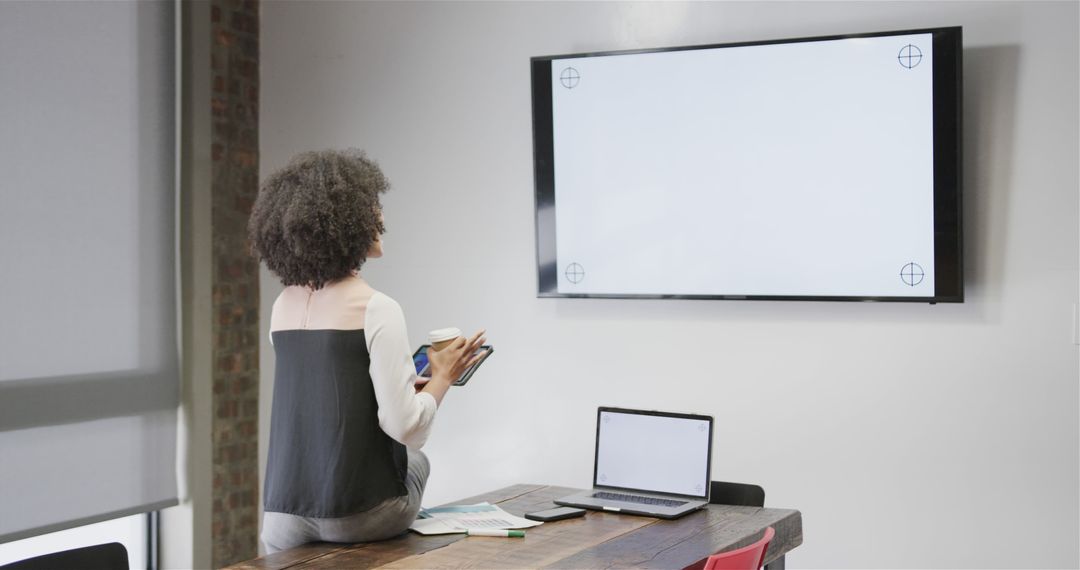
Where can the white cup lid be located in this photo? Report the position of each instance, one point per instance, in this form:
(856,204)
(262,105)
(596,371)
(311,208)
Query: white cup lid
(439,335)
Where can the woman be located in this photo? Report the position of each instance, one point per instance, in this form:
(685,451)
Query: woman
(348,420)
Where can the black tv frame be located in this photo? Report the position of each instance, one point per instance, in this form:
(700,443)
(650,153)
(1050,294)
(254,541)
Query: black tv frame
(948,227)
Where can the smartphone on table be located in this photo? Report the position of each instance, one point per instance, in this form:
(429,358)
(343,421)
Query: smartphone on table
(556,514)
(423,365)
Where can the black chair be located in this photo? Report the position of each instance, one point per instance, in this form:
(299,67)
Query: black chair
(111,556)
(741,494)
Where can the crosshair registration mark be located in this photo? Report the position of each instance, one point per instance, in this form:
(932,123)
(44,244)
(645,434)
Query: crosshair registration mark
(912,274)
(909,56)
(569,78)
(574,273)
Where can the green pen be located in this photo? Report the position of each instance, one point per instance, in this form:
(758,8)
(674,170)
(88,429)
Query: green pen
(491,532)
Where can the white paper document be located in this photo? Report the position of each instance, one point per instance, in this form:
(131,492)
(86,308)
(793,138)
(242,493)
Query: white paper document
(462,518)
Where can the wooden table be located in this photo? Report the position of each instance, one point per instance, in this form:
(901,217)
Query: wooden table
(598,540)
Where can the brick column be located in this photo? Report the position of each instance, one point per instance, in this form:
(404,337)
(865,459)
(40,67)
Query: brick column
(234,103)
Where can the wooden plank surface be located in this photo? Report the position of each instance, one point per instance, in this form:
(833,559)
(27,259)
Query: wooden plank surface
(369,555)
(288,558)
(687,541)
(598,540)
(543,544)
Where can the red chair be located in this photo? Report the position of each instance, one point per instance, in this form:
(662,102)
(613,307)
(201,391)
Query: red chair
(746,558)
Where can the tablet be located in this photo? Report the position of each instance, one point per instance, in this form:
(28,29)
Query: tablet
(423,367)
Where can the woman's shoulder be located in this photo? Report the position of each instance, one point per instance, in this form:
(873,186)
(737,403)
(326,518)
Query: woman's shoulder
(290,295)
(382,303)
(383,316)
(344,304)
(358,285)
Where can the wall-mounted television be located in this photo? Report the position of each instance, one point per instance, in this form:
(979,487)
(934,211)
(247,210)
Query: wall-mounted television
(823,168)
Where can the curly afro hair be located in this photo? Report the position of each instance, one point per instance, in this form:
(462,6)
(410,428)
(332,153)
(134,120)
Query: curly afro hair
(315,220)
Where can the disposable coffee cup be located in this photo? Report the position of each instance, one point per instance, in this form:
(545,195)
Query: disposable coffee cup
(441,338)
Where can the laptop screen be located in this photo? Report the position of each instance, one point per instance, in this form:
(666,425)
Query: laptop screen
(653,452)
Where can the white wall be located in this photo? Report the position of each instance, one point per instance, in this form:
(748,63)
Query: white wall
(908,435)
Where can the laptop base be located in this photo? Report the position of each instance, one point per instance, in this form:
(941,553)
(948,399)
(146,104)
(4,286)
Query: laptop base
(585,501)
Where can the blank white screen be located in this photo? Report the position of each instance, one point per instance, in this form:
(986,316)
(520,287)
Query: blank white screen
(783,169)
(653,453)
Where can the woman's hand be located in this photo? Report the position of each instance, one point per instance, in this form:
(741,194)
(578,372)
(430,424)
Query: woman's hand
(448,364)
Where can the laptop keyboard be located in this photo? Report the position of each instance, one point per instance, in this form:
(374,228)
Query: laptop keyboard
(637,499)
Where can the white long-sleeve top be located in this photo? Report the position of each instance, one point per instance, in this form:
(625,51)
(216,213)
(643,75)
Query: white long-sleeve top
(352,304)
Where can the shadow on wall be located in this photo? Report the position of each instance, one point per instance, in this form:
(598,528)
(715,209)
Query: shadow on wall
(989,125)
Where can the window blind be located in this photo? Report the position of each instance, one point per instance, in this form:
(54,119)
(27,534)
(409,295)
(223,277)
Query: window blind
(89,364)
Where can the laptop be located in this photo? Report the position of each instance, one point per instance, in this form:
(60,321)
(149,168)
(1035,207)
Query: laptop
(648,463)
